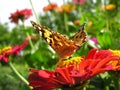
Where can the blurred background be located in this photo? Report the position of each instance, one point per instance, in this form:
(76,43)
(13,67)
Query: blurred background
(102,18)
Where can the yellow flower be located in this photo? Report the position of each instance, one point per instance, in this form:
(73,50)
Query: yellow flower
(108,7)
(90,23)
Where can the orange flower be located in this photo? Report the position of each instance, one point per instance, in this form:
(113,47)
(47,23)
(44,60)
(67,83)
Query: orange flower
(66,8)
(76,22)
(108,7)
(59,9)
(50,7)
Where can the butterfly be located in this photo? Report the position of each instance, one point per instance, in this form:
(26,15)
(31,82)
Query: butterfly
(62,45)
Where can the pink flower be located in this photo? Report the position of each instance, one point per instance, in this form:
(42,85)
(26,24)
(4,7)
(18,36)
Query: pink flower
(7,51)
(94,40)
(11,50)
(79,1)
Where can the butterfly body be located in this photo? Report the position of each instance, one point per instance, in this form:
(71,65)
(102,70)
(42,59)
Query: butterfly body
(62,45)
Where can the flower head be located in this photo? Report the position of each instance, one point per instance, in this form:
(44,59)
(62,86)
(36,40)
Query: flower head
(50,7)
(90,24)
(20,15)
(70,75)
(79,1)
(65,8)
(94,40)
(10,50)
(108,7)
(76,22)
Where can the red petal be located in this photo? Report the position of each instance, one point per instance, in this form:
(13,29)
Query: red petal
(91,54)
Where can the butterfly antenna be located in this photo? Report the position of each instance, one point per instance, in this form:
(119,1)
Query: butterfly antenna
(83,26)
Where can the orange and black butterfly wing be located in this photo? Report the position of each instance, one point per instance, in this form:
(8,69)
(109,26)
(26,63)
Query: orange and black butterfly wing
(63,46)
(46,32)
(60,43)
(80,37)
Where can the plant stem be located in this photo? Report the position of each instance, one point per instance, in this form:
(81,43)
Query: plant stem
(49,1)
(30,42)
(17,73)
(37,19)
(28,36)
(106,16)
(63,1)
(65,22)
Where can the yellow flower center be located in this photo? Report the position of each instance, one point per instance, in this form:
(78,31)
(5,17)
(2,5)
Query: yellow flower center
(9,48)
(115,52)
(72,61)
(116,62)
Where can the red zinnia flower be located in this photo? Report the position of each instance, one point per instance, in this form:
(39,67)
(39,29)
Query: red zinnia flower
(20,15)
(72,76)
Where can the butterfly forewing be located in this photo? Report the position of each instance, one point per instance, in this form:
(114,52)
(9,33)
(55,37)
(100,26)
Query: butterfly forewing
(60,43)
(46,33)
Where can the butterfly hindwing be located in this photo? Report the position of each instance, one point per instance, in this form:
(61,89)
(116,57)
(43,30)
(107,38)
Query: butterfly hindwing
(80,36)
(63,46)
